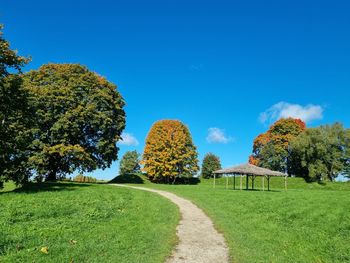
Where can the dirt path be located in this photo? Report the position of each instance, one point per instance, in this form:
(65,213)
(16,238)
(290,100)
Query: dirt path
(199,242)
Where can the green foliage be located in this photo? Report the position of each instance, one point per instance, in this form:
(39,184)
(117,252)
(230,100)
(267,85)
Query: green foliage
(15,113)
(322,153)
(210,163)
(270,149)
(130,163)
(8,57)
(78,117)
(84,179)
(85,223)
(9,186)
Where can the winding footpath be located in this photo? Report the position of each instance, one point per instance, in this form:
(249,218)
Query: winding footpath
(199,241)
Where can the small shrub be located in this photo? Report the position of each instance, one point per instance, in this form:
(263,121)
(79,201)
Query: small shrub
(84,179)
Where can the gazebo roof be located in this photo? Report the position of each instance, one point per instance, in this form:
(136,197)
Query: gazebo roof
(249,169)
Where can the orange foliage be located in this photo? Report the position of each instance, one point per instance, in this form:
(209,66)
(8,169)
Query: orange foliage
(253,160)
(169,152)
(281,133)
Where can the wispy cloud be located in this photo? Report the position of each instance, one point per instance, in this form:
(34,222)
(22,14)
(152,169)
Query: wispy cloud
(128,139)
(217,135)
(196,67)
(282,109)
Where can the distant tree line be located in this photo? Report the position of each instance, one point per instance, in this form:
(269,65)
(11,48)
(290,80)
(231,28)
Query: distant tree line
(55,120)
(316,154)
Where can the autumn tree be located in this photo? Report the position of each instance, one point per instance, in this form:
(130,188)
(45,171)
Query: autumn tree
(321,154)
(169,152)
(271,149)
(15,114)
(129,163)
(210,163)
(79,119)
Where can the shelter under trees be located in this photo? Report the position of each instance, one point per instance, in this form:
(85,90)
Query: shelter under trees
(169,152)
(249,171)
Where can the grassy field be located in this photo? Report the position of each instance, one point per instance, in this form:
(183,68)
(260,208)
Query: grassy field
(308,223)
(90,222)
(85,223)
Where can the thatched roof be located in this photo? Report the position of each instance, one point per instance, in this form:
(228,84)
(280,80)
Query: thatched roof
(249,169)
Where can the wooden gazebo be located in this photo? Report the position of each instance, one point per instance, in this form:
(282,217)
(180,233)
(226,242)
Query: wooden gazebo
(249,170)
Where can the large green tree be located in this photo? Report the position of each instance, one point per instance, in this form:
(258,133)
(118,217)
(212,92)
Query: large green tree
(210,163)
(271,149)
(15,114)
(169,152)
(322,153)
(129,163)
(79,119)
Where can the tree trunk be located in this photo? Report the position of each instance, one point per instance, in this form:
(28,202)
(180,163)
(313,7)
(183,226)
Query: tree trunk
(54,161)
(52,176)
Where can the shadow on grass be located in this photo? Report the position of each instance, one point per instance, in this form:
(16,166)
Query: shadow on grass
(188,181)
(127,179)
(49,187)
(255,190)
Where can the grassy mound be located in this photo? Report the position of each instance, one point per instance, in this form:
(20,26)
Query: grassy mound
(129,179)
(68,222)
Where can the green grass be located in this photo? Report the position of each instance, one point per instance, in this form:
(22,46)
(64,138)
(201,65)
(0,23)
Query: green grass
(308,223)
(85,223)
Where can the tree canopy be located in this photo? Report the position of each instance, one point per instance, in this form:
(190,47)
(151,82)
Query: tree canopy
(14,115)
(270,149)
(9,59)
(322,153)
(129,163)
(78,120)
(169,152)
(211,163)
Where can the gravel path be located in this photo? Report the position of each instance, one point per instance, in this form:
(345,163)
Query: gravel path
(199,242)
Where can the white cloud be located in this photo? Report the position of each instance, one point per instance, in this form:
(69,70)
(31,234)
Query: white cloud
(216,135)
(282,109)
(128,139)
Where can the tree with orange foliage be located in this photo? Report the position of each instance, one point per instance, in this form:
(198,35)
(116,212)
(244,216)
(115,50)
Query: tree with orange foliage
(169,152)
(271,149)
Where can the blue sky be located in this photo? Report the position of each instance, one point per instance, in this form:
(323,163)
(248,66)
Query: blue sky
(227,69)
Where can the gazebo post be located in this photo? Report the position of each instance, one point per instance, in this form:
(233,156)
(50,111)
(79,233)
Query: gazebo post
(234,182)
(214,180)
(263,183)
(246,182)
(268,183)
(241,183)
(285,183)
